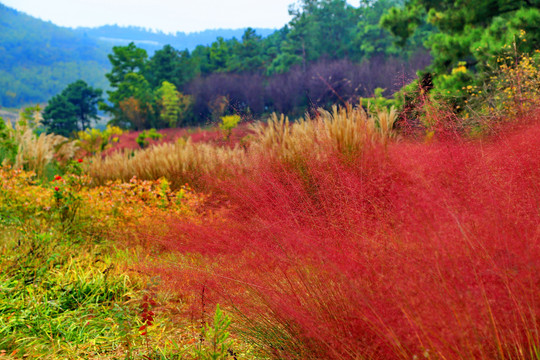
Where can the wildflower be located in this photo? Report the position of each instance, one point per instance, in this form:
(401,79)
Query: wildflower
(56,188)
(57,177)
(79,160)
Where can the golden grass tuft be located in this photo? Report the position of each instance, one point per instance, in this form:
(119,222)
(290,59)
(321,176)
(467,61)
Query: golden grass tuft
(180,163)
(347,131)
(35,152)
(344,130)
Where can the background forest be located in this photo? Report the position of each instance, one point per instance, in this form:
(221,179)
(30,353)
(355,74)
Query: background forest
(329,53)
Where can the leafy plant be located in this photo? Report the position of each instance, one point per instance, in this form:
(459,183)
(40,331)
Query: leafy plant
(8,146)
(215,343)
(228,123)
(72,110)
(142,138)
(94,141)
(175,106)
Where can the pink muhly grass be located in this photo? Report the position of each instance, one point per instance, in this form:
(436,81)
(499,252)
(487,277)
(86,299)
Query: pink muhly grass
(417,250)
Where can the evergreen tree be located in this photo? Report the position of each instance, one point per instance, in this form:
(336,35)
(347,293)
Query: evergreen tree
(85,99)
(169,64)
(248,55)
(125,60)
(59,116)
(128,63)
(73,109)
(136,103)
(169,99)
(470,31)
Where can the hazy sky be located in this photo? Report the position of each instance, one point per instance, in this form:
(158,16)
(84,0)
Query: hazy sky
(165,15)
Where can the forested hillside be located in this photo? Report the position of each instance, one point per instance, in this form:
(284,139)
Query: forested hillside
(38,59)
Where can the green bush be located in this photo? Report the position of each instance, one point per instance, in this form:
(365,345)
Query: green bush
(8,146)
(143,137)
(228,123)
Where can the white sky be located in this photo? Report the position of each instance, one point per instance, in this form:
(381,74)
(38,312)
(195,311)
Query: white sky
(165,15)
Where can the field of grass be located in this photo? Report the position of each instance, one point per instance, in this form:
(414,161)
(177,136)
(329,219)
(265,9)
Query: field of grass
(339,236)
(70,282)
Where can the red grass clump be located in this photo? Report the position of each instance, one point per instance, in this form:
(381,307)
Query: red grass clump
(128,140)
(426,250)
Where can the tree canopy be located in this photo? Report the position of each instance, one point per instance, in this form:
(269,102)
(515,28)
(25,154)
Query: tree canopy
(73,109)
(246,71)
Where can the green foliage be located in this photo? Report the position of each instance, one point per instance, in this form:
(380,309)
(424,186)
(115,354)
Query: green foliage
(126,80)
(143,137)
(403,23)
(169,64)
(125,60)
(85,100)
(470,36)
(8,146)
(319,29)
(218,55)
(248,55)
(59,116)
(135,103)
(60,288)
(215,344)
(50,290)
(39,59)
(94,141)
(174,106)
(511,90)
(228,123)
(378,101)
(72,110)
(30,116)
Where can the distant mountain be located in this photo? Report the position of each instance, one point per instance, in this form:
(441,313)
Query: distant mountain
(155,40)
(38,59)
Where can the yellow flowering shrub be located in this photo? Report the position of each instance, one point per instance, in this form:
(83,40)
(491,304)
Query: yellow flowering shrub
(131,201)
(21,196)
(94,141)
(73,201)
(510,91)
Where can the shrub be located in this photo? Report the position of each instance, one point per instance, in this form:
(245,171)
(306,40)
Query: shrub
(143,137)
(8,147)
(228,123)
(94,141)
(512,91)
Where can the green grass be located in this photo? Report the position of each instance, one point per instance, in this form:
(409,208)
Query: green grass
(59,298)
(70,288)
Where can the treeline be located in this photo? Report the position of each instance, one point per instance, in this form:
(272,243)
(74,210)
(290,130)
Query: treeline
(330,52)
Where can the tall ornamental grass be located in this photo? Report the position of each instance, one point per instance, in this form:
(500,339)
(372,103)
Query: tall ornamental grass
(405,250)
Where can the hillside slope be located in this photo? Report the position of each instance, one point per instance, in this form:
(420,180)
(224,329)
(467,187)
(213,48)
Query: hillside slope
(38,59)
